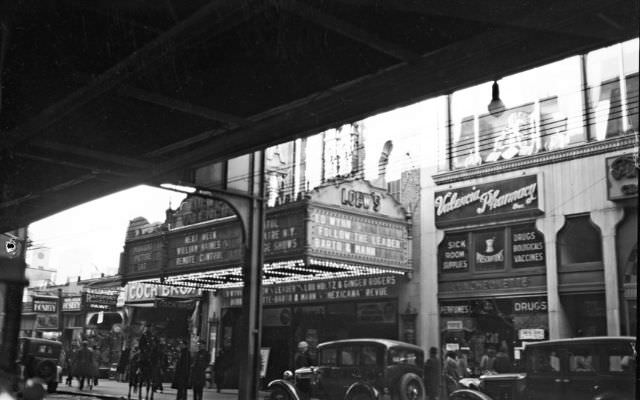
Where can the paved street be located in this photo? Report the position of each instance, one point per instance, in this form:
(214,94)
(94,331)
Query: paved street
(108,389)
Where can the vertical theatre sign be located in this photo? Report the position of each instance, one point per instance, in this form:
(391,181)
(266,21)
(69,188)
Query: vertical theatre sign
(512,198)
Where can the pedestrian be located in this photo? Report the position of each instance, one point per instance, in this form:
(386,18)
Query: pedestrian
(182,370)
(463,363)
(432,373)
(83,365)
(95,365)
(502,362)
(219,369)
(302,357)
(70,356)
(198,370)
(135,364)
(123,363)
(451,371)
(487,361)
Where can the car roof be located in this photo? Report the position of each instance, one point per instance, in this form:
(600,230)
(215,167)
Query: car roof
(587,339)
(388,343)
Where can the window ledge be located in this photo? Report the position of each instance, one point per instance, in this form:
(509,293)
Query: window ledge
(570,153)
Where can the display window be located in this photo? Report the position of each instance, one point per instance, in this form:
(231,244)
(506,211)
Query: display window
(480,330)
(512,247)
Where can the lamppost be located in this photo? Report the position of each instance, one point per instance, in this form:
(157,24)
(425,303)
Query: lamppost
(249,207)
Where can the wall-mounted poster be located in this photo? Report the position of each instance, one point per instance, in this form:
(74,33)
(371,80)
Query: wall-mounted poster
(264,360)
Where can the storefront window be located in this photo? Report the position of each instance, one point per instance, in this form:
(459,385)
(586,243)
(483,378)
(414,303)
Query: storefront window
(579,242)
(543,113)
(518,246)
(487,326)
(586,314)
(612,87)
(545,108)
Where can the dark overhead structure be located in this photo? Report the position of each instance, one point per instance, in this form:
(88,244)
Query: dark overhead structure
(100,95)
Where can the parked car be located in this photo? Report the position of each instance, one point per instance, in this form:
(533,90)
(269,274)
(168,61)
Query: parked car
(40,358)
(602,368)
(357,369)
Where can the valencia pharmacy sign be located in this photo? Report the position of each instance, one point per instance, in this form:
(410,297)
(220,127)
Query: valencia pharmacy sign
(497,200)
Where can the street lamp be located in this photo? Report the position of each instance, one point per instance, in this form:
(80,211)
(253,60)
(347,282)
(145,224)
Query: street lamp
(249,207)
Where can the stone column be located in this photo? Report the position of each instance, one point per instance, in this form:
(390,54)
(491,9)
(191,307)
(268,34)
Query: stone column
(608,219)
(558,322)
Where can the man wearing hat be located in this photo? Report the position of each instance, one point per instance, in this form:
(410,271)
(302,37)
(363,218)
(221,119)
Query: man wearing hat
(198,370)
(302,358)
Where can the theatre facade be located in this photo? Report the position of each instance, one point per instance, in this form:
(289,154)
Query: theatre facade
(336,259)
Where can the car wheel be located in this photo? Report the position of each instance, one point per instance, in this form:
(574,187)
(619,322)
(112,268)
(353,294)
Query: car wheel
(278,393)
(52,387)
(411,387)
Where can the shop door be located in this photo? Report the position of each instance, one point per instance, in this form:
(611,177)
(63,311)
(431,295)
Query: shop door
(545,379)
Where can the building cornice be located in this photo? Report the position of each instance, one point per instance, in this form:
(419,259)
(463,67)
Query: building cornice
(517,164)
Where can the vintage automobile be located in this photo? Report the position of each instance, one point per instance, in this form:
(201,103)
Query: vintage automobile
(598,368)
(356,369)
(40,358)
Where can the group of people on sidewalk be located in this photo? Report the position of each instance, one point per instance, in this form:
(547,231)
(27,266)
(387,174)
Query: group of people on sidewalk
(81,363)
(455,367)
(190,372)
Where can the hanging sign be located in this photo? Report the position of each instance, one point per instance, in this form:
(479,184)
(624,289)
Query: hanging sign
(622,177)
(214,246)
(497,200)
(144,255)
(70,304)
(45,306)
(100,300)
(284,233)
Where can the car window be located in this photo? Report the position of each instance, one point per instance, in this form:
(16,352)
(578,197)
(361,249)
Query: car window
(619,358)
(583,358)
(544,360)
(369,355)
(44,349)
(328,356)
(348,356)
(404,356)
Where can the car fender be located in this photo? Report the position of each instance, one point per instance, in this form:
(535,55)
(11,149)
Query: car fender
(287,386)
(361,387)
(468,394)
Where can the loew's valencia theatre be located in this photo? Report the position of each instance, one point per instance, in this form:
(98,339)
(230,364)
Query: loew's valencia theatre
(335,262)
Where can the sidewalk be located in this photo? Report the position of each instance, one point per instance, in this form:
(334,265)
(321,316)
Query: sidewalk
(108,389)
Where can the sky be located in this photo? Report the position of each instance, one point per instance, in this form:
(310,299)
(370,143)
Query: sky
(87,240)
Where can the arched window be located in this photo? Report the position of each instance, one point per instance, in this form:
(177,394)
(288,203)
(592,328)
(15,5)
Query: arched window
(579,242)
